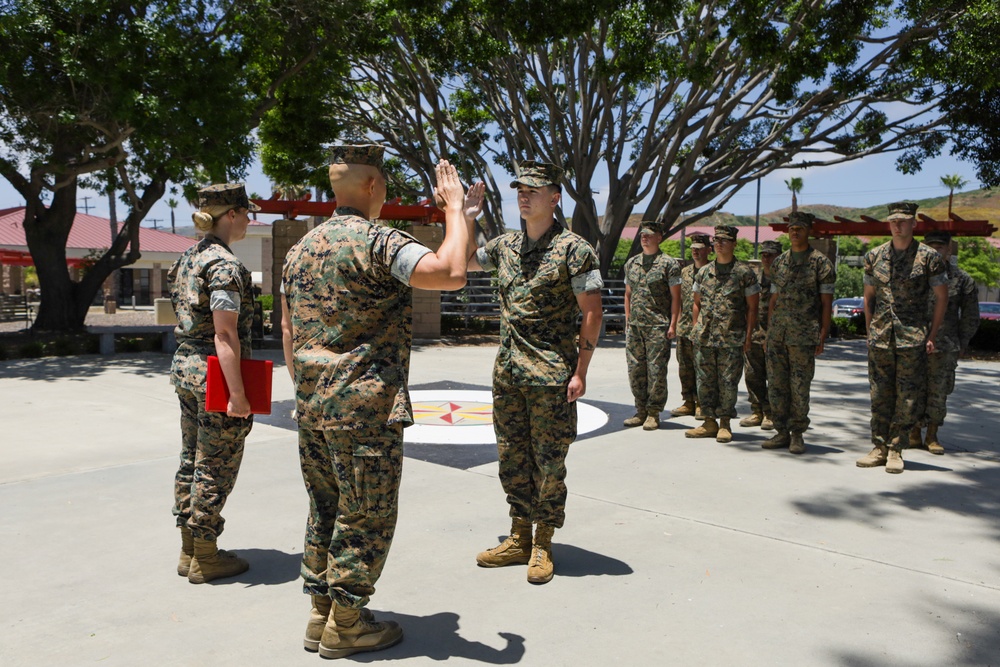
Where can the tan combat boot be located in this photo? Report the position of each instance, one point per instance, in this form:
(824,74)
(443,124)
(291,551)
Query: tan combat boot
(348,631)
(796,444)
(635,420)
(779,440)
(767,424)
(319,615)
(210,562)
(541,567)
(698,414)
(876,457)
(685,410)
(894,461)
(756,419)
(916,441)
(932,443)
(707,429)
(515,550)
(725,434)
(652,422)
(187,551)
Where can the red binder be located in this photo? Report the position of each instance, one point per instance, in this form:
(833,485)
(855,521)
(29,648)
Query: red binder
(256,383)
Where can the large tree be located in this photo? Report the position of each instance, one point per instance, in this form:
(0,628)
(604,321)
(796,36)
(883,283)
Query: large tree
(144,93)
(674,105)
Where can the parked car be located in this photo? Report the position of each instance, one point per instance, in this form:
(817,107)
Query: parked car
(849,307)
(989,310)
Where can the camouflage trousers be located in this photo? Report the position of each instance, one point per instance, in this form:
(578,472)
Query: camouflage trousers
(352,479)
(534,427)
(940,383)
(647,351)
(211,453)
(790,370)
(755,378)
(898,381)
(719,371)
(686,369)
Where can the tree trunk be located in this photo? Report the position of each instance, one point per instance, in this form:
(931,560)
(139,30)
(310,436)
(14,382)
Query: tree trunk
(795,202)
(951,193)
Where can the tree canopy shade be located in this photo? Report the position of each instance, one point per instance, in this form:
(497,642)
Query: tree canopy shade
(676,104)
(145,93)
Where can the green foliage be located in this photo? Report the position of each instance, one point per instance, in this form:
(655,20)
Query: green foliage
(849,327)
(850,281)
(851,246)
(62,347)
(979,259)
(32,350)
(266,301)
(743,250)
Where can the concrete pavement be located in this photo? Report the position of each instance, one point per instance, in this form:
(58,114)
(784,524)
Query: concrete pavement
(675,551)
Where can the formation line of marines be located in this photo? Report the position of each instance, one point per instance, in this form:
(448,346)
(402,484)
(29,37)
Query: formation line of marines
(346,292)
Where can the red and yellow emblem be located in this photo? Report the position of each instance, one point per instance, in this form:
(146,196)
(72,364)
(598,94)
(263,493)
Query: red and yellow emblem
(453,413)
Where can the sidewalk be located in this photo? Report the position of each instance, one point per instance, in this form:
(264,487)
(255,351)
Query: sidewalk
(675,551)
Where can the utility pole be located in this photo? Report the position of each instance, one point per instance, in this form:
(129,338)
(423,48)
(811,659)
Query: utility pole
(154,221)
(86,205)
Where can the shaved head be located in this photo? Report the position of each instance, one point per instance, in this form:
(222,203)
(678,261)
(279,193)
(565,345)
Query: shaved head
(350,178)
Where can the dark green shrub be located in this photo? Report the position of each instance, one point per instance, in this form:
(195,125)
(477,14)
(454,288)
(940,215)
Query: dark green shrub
(987,336)
(91,345)
(32,350)
(266,301)
(62,347)
(128,345)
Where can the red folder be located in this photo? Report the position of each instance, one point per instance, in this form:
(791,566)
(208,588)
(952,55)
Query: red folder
(256,383)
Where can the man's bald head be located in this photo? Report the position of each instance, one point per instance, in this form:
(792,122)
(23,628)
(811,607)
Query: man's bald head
(346,179)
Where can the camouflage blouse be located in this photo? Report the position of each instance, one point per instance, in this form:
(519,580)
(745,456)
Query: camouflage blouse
(722,319)
(539,281)
(760,331)
(903,283)
(684,324)
(209,266)
(962,317)
(351,324)
(797,316)
(650,278)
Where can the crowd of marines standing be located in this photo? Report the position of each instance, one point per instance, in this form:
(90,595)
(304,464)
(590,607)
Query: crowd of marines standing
(346,294)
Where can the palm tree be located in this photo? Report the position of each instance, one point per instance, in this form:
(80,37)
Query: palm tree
(953,182)
(795,185)
(172,203)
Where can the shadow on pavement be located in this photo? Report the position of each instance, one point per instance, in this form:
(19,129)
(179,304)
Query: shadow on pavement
(573,561)
(85,366)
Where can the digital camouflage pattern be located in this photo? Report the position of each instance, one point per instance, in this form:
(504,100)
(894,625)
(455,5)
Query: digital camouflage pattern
(903,282)
(367,154)
(538,306)
(719,370)
(799,282)
(686,369)
(352,477)
(226,194)
(211,453)
(350,370)
(902,210)
(722,321)
(961,321)
(647,348)
(790,371)
(755,361)
(209,266)
(898,381)
(535,427)
(537,174)
(685,328)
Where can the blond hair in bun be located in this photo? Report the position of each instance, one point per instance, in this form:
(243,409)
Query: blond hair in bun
(205,218)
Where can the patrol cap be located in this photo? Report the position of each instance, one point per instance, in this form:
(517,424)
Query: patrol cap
(726,232)
(902,210)
(226,194)
(367,154)
(800,219)
(537,174)
(937,237)
(700,241)
(771,247)
(650,227)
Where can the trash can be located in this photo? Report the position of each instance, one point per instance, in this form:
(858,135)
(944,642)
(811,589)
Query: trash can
(164,311)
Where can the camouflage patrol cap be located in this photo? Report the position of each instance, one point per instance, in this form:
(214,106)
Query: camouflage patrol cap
(537,174)
(726,232)
(650,227)
(937,237)
(226,194)
(700,241)
(367,154)
(902,210)
(800,219)
(770,247)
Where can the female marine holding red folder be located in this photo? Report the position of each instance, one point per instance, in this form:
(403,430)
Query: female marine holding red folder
(212,296)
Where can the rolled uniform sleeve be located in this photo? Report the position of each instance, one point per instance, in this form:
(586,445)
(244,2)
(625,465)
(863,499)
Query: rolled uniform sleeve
(227,300)
(484,259)
(406,260)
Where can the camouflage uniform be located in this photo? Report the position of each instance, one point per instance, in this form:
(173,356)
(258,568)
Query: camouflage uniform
(685,341)
(897,356)
(211,442)
(754,361)
(959,326)
(534,423)
(347,287)
(647,348)
(720,333)
(794,333)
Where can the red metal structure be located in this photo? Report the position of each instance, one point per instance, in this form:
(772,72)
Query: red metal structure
(874,227)
(421,213)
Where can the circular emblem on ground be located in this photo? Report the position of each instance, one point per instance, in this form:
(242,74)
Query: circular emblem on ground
(437,413)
